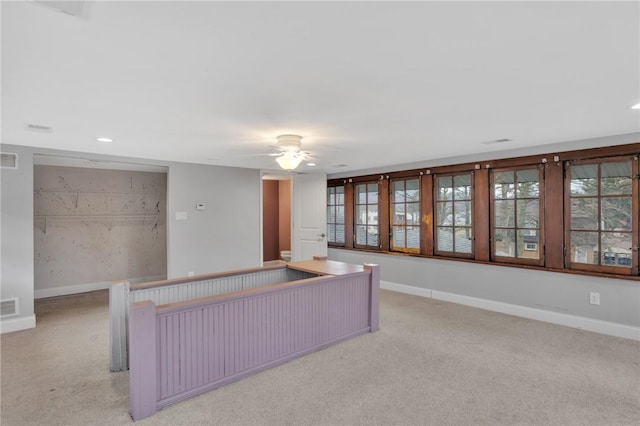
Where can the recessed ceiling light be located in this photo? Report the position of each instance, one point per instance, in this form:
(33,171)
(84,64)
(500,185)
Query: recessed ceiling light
(105,140)
(311,164)
(636,106)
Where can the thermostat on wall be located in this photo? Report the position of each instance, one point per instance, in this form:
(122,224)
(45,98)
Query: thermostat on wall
(200,206)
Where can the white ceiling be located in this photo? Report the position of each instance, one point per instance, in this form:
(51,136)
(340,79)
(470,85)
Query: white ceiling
(366,84)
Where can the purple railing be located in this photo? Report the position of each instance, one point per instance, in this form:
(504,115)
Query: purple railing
(183,349)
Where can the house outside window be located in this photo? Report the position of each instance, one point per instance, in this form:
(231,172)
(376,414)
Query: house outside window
(516,220)
(600,231)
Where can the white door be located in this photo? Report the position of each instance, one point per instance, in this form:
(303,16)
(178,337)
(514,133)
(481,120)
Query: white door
(309,216)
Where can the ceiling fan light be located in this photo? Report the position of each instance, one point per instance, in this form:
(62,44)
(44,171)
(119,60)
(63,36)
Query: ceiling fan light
(289,161)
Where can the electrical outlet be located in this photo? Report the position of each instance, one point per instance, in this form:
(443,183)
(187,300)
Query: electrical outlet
(191,273)
(594,298)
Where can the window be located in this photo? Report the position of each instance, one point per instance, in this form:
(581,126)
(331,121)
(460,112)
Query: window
(577,211)
(366,215)
(600,218)
(405,215)
(335,215)
(454,215)
(516,215)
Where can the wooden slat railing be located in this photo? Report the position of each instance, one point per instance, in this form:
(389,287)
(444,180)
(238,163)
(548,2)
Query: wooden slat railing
(183,349)
(121,294)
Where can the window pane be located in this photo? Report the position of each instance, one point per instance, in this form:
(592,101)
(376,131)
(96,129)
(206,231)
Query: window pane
(504,213)
(616,213)
(413,237)
(584,180)
(445,239)
(398,191)
(462,184)
(584,213)
(331,233)
(339,214)
(412,188)
(372,238)
(528,245)
(616,249)
(339,194)
(399,214)
(361,235)
(445,213)
(528,213)
(528,185)
(503,186)
(445,188)
(373,193)
(361,194)
(331,199)
(372,214)
(398,236)
(331,214)
(505,243)
(361,214)
(339,234)
(463,240)
(616,178)
(413,214)
(584,247)
(462,213)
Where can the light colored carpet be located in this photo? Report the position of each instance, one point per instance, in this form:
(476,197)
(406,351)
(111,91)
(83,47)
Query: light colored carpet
(431,363)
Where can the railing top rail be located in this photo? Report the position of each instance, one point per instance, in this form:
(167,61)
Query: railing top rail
(203,277)
(192,304)
(322,266)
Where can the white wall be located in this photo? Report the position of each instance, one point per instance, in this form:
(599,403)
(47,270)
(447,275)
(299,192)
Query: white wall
(225,236)
(16,231)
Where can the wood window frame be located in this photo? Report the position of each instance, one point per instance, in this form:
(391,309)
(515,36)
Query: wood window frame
(554,223)
(635,216)
(333,187)
(446,253)
(391,223)
(541,219)
(379,203)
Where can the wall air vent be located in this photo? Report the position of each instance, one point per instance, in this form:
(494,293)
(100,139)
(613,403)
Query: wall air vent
(38,128)
(8,160)
(9,307)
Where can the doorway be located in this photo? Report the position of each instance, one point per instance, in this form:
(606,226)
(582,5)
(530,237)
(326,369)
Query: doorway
(276,218)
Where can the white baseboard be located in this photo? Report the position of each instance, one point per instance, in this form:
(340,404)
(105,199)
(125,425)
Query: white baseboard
(582,323)
(9,325)
(84,288)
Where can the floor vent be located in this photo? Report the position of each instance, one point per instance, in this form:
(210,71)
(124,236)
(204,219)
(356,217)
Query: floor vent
(8,160)
(9,307)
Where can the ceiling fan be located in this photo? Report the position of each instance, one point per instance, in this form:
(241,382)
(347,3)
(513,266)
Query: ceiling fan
(289,155)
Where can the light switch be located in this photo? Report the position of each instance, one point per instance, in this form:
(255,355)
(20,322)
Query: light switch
(181,215)
(200,206)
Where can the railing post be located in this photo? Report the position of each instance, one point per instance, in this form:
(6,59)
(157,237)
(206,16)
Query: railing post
(142,360)
(374,310)
(118,307)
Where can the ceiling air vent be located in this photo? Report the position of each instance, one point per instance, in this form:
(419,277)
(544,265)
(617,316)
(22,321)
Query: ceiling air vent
(9,307)
(8,160)
(38,128)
